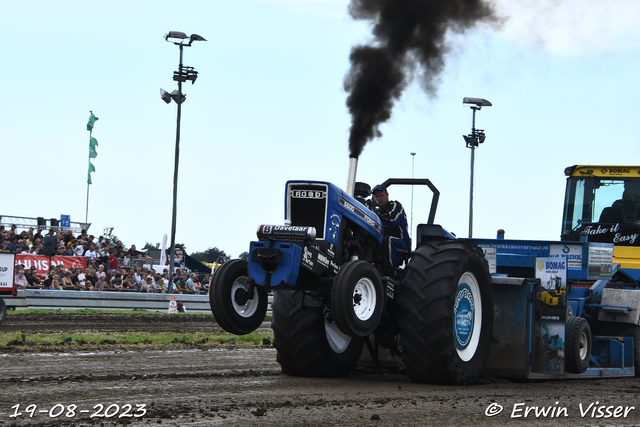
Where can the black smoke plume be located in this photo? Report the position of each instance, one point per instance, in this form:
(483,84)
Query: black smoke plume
(408,34)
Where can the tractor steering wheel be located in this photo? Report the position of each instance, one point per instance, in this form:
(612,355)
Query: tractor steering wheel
(382,213)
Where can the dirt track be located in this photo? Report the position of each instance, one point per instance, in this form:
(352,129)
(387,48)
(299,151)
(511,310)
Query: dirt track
(184,385)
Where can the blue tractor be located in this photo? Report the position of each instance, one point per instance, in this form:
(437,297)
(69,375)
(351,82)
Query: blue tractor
(332,304)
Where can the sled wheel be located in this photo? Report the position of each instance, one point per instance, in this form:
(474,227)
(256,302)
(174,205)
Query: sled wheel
(307,344)
(357,298)
(3,310)
(446,316)
(234,308)
(577,345)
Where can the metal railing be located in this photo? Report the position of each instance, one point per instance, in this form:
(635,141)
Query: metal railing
(41,223)
(102,300)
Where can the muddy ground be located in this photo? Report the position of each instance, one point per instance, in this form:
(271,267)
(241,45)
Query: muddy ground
(192,385)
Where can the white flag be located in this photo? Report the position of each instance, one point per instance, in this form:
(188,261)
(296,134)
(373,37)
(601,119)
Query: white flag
(163,251)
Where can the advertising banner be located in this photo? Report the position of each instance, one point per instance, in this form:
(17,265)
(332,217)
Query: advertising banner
(550,309)
(42,262)
(6,271)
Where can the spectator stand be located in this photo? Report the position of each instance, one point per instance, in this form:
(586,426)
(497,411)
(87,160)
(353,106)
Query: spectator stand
(41,223)
(44,244)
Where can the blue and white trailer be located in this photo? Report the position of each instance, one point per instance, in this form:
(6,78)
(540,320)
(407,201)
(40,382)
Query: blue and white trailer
(553,302)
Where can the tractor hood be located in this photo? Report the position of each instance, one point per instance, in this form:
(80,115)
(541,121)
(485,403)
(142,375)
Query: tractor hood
(323,205)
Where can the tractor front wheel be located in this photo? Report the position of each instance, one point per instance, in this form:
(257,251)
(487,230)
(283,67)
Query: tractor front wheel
(238,307)
(446,316)
(357,298)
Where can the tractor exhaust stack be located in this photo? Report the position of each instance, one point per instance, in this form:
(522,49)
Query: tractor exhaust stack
(351,178)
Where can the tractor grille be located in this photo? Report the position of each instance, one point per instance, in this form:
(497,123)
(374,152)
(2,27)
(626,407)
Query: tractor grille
(308,205)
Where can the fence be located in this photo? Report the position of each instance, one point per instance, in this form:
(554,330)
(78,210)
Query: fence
(68,300)
(65,300)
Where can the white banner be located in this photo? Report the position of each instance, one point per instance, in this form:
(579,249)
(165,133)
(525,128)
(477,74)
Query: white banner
(7,262)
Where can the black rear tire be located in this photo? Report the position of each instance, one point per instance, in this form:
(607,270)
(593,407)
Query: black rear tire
(234,312)
(357,298)
(635,333)
(577,345)
(302,340)
(446,316)
(3,310)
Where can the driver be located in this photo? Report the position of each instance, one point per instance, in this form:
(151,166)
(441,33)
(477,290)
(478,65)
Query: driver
(396,233)
(630,202)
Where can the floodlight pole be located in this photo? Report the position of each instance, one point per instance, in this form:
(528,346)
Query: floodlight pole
(413,158)
(473,151)
(180,77)
(476,137)
(172,257)
(86,216)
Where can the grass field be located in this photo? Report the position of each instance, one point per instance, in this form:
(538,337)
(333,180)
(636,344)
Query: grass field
(133,338)
(124,338)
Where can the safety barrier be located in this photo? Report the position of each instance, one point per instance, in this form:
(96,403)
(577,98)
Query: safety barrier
(105,300)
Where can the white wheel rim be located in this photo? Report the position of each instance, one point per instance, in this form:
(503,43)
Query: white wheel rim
(250,307)
(335,338)
(364,299)
(467,319)
(583,346)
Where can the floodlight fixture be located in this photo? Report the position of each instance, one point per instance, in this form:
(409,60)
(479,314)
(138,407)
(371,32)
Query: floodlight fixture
(175,35)
(187,73)
(166,96)
(195,37)
(478,102)
(179,38)
(178,97)
(470,140)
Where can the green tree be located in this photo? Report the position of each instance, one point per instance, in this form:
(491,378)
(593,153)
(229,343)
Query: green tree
(244,256)
(150,246)
(211,255)
(112,239)
(215,254)
(200,256)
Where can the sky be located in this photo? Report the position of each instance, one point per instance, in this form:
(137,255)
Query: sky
(269,106)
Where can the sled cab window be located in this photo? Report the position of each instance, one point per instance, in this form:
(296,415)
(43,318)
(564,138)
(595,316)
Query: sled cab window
(595,204)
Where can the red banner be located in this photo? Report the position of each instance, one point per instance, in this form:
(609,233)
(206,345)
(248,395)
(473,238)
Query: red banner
(42,262)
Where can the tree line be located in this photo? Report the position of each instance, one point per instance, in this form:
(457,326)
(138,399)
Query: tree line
(211,255)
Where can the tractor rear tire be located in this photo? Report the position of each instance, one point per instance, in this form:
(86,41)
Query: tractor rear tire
(3,310)
(357,298)
(232,309)
(307,345)
(635,333)
(577,345)
(446,316)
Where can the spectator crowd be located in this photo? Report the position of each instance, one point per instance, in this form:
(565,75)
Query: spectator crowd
(108,267)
